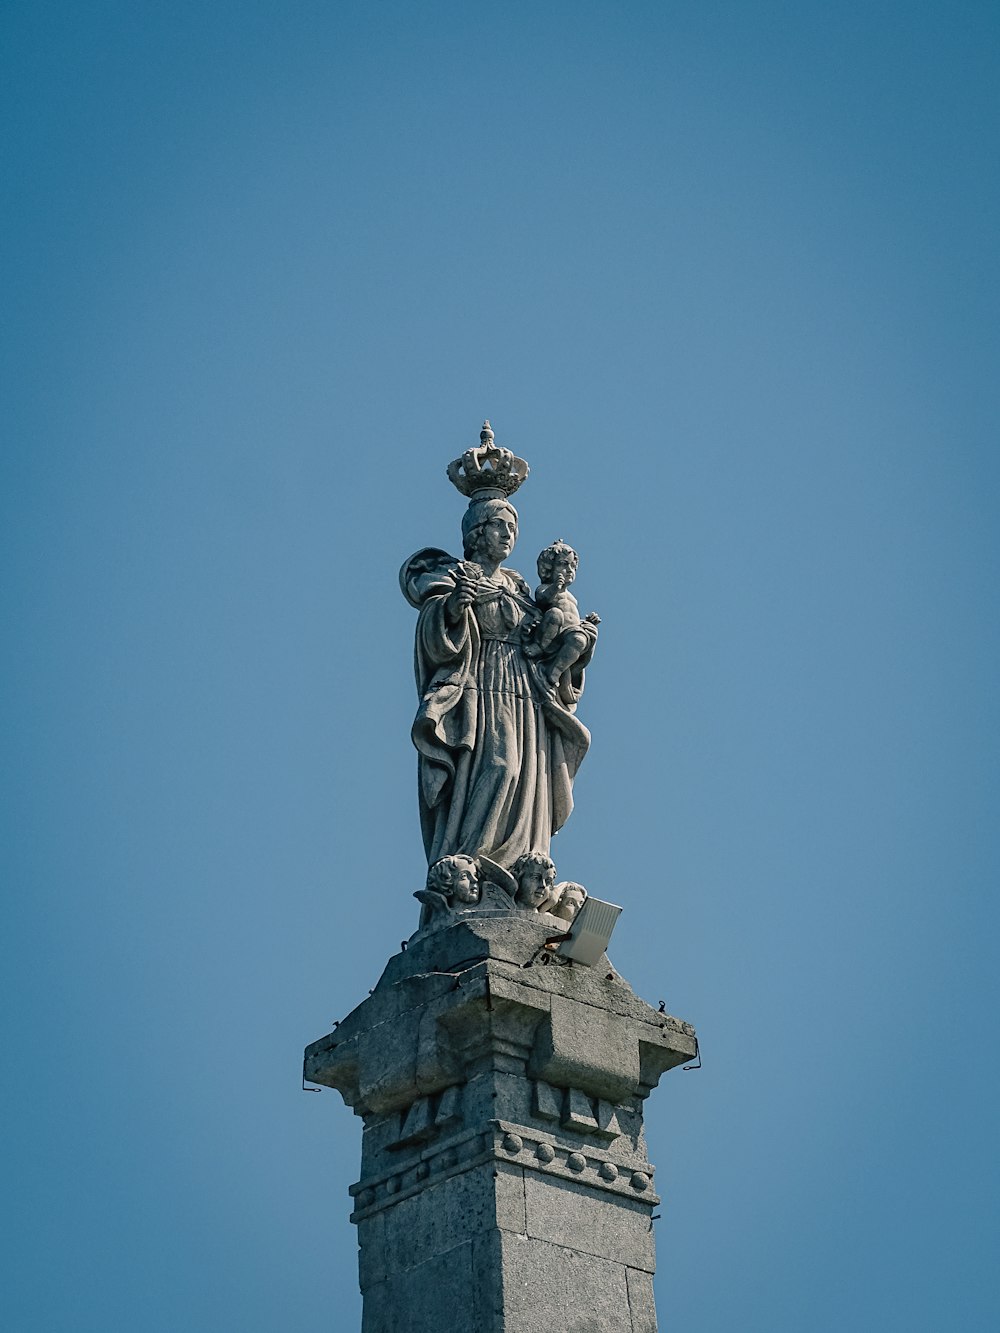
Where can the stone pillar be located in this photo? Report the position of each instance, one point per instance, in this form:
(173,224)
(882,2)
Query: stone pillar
(504,1182)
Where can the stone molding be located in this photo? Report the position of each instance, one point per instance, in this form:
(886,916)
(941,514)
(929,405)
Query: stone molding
(512,1143)
(473,993)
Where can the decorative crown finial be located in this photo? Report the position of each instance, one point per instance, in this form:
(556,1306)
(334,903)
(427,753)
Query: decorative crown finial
(489,472)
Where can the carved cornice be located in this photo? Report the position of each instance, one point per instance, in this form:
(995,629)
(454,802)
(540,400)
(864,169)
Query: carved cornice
(514,1144)
(441,1010)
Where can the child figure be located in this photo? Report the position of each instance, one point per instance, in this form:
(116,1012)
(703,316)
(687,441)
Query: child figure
(452,883)
(536,876)
(558,637)
(570,898)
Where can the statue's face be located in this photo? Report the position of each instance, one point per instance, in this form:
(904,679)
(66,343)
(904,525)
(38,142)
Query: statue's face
(570,903)
(535,885)
(498,535)
(464,885)
(563,571)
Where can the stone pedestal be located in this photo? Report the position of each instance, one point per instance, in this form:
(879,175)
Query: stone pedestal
(504,1183)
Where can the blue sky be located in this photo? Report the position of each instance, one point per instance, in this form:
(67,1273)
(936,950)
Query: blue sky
(726,275)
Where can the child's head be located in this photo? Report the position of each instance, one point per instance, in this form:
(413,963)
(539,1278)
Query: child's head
(571,898)
(535,874)
(457,877)
(558,563)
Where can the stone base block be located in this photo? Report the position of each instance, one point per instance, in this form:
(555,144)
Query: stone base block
(505,1185)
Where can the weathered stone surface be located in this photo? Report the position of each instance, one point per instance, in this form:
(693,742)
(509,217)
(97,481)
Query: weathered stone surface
(505,1185)
(419,1123)
(442,1294)
(373,1253)
(446,1213)
(608,1124)
(641,1305)
(411,1035)
(591,1221)
(548,1287)
(578,1111)
(503,1284)
(588,1048)
(548,1101)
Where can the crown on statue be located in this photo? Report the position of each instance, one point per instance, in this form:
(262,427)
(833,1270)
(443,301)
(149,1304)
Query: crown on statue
(489,472)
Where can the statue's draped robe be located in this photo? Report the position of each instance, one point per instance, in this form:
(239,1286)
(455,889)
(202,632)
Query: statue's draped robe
(498,747)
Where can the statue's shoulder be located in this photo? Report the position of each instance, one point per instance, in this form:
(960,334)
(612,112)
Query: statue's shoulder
(427,571)
(516,581)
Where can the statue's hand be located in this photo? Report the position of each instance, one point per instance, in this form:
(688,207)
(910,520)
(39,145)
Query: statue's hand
(591,619)
(458,602)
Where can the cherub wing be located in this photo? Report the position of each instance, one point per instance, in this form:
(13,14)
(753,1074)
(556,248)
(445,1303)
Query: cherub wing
(494,874)
(433,901)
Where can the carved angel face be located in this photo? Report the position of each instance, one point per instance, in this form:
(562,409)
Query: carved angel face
(535,885)
(571,899)
(464,885)
(457,877)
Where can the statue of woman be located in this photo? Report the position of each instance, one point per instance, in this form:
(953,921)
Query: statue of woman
(498,744)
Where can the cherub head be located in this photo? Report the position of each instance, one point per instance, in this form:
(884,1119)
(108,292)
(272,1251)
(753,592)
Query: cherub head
(457,877)
(535,874)
(570,898)
(558,564)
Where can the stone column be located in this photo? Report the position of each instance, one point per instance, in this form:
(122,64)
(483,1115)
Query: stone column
(504,1182)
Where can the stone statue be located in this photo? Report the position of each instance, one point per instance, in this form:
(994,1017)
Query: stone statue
(452,883)
(496,733)
(560,638)
(535,874)
(569,898)
(501,1063)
